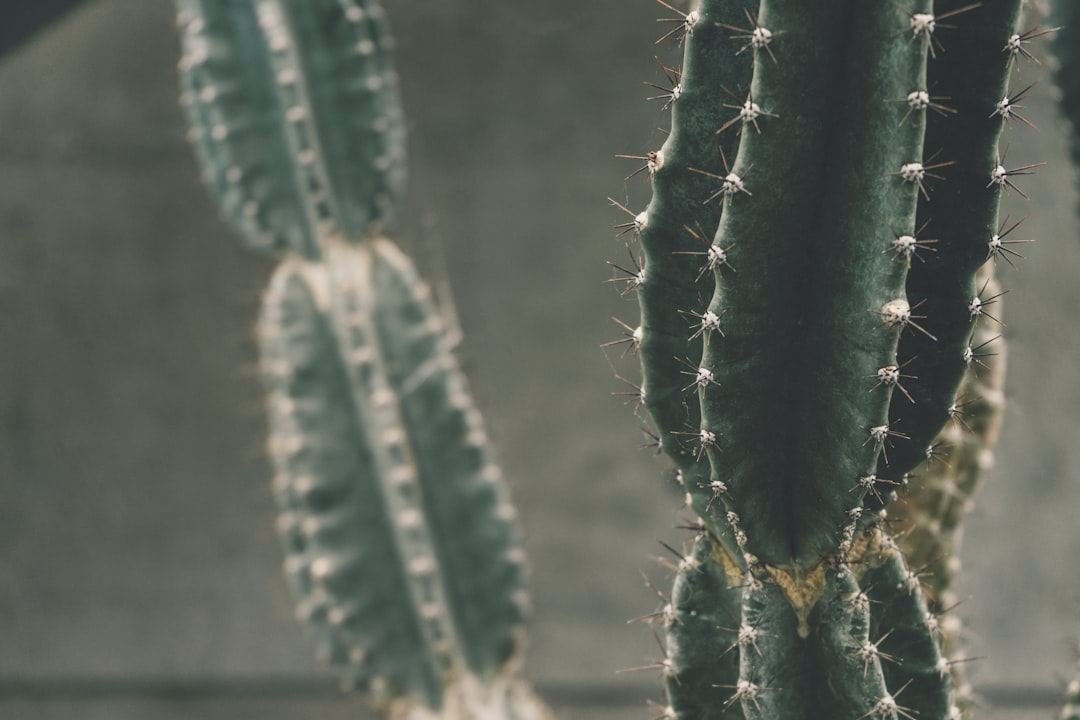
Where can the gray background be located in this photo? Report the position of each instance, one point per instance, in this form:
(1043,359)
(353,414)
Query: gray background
(136,546)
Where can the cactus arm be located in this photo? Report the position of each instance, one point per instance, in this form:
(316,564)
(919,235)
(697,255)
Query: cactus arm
(898,611)
(351,88)
(675,286)
(793,416)
(231,100)
(941,492)
(412,571)
(773,674)
(465,495)
(962,215)
(705,635)
(343,553)
(292,152)
(845,664)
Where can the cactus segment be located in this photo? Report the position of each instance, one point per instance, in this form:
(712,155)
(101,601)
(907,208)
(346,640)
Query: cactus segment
(847,663)
(675,240)
(295,117)
(914,660)
(817,304)
(705,636)
(961,214)
(774,679)
(408,564)
(929,514)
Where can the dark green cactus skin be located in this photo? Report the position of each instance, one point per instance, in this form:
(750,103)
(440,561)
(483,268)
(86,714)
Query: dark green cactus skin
(812,409)
(675,286)
(962,214)
(804,327)
(905,633)
(704,635)
(400,541)
(275,89)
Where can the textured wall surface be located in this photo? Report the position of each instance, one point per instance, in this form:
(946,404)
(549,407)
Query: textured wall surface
(136,519)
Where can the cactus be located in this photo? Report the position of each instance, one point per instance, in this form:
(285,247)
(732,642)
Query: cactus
(837,206)
(400,541)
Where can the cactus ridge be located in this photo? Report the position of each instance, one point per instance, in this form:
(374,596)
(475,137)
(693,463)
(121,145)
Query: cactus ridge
(962,215)
(675,234)
(412,523)
(816,281)
(262,92)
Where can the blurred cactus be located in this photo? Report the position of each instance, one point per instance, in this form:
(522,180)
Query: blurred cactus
(400,541)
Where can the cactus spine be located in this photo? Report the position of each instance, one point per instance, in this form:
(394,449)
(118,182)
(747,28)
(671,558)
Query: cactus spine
(400,541)
(810,262)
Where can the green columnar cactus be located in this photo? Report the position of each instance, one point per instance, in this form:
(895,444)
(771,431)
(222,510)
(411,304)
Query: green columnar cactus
(841,201)
(400,542)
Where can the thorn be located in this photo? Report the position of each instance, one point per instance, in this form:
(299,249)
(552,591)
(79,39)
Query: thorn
(707,322)
(1002,176)
(921,100)
(654,160)
(998,244)
(633,278)
(907,246)
(759,38)
(639,222)
(705,439)
(632,338)
(923,25)
(732,183)
(715,256)
(683,29)
(977,306)
(667,94)
(1006,107)
(917,173)
(637,396)
(702,376)
(972,354)
(1015,45)
(749,112)
(718,488)
(889,376)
